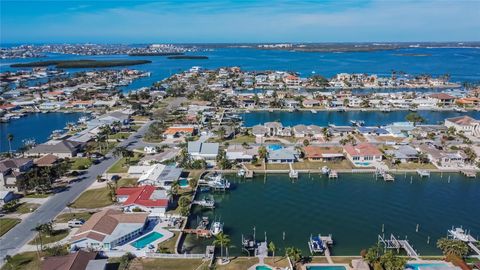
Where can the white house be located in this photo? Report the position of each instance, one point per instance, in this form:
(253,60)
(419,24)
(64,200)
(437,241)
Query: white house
(146,198)
(465,124)
(201,150)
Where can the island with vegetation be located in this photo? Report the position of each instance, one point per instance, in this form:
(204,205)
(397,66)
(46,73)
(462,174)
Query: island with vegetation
(82,63)
(156,54)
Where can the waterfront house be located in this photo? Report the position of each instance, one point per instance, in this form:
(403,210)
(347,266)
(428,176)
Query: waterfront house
(300,131)
(145,198)
(201,150)
(372,131)
(179,131)
(259,132)
(442,158)
(323,153)
(108,229)
(362,154)
(464,124)
(400,129)
(291,104)
(341,130)
(46,161)
(423,131)
(61,149)
(292,81)
(469,102)
(403,154)
(237,152)
(13,170)
(282,155)
(80,260)
(158,175)
(443,99)
(273,128)
(310,103)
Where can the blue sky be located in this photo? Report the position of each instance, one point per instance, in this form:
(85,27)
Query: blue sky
(239,21)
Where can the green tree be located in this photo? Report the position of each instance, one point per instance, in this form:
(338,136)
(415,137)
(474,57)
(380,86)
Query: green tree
(294,254)
(414,118)
(222,240)
(184,201)
(272,248)
(262,152)
(372,256)
(10,139)
(453,247)
(390,261)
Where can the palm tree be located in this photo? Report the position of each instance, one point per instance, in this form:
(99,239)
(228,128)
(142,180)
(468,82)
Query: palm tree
(10,139)
(390,261)
(294,254)
(262,152)
(222,240)
(452,247)
(272,248)
(373,255)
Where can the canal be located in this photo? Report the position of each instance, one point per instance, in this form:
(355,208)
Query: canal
(352,209)
(325,118)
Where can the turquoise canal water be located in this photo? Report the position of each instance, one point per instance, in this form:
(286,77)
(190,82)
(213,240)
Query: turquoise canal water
(324,118)
(352,209)
(37,126)
(146,240)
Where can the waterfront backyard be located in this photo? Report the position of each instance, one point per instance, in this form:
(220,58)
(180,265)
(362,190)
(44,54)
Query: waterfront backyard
(353,209)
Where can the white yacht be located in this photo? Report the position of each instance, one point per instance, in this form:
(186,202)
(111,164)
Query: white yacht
(217,227)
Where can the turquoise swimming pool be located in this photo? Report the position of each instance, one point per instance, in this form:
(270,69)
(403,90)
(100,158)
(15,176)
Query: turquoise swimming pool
(274,147)
(421,266)
(263,267)
(147,239)
(326,267)
(183,182)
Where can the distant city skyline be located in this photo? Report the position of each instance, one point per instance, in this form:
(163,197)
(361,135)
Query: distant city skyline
(239,21)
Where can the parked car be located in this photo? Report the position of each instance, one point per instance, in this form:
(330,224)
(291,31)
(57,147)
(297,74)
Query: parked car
(75,223)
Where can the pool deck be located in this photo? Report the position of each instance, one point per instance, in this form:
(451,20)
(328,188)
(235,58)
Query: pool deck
(141,252)
(347,267)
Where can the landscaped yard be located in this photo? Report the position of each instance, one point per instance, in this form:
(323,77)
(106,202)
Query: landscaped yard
(25,208)
(64,218)
(80,163)
(315,165)
(168,264)
(47,239)
(121,167)
(37,196)
(277,261)
(93,198)
(238,263)
(120,135)
(6,224)
(239,139)
(127,182)
(169,245)
(23,261)
(411,166)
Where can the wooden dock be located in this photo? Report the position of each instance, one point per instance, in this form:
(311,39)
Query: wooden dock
(394,243)
(469,173)
(333,174)
(199,232)
(423,173)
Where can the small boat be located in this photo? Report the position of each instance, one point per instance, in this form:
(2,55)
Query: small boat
(313,111)
(316,244)
(357,123)
(217,227)
(457,109)
(412,109)
(204,189)
(203,224)
(325,170)
(241,172)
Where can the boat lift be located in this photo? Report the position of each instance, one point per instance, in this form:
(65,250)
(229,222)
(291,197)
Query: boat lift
(394,243)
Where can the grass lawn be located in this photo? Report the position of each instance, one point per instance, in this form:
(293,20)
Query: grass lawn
(127,182)
(93,198)
(121,167)
(277,166)
(238,263)
(195,174)
(135,127)
(47,239)
(170,264)
(25,208)
(37,196)
(319,259)
(6,224)
(277,261)
(64,218)
(80,163)
(23,261)
(239,139)
(170,243)
(411,166)
(316,165)
(120,135)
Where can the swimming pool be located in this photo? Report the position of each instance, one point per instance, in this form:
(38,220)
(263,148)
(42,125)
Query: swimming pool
(362,163)
(263,267)
(147,239)
(326,267)
(183,182)
(421,266)
(274,147)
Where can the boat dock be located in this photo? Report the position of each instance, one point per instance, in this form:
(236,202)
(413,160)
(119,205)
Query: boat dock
(199,232)
(469,173)
(293,174)
(333,174)
(394,243)
(383,174)
(319,244)
(462,235)
(423,173)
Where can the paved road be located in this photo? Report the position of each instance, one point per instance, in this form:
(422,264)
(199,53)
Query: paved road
(12,241)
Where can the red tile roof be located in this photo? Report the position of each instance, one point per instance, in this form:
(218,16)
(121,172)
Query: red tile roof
(362,149)
(442,96)
(141,196)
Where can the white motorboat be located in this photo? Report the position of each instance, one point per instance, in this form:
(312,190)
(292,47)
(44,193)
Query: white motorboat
(217,227)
